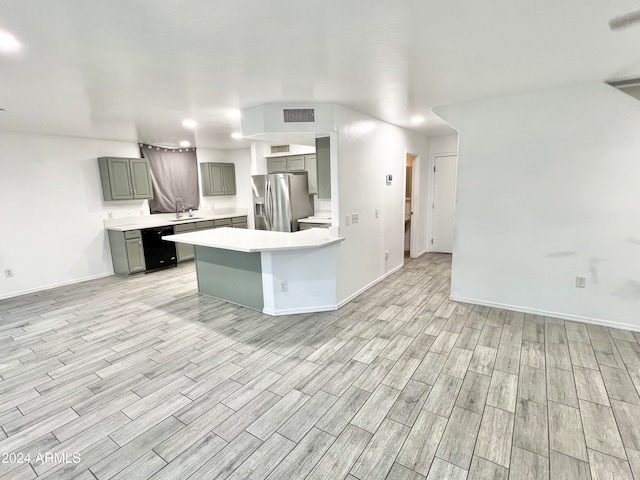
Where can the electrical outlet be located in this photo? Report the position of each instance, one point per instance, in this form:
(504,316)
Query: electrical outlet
(8,272)
(283,286)
(354,218)
(581,282)
(347,220)
(109,215)
(377,212)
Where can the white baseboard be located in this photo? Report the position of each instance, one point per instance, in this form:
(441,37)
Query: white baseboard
(54,285)
(367,287)
(419,254)
(545,313)
(291,311)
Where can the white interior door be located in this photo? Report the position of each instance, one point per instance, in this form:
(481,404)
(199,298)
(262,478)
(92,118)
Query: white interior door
(444,203)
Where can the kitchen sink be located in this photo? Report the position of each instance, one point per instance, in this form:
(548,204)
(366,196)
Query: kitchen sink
(186,219)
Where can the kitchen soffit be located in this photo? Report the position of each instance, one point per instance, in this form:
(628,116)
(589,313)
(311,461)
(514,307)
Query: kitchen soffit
(133,70)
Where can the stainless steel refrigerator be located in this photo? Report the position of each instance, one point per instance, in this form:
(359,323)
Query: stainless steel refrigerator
(280,200)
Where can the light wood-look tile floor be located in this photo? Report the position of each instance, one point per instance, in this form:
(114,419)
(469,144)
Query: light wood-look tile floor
(143,378)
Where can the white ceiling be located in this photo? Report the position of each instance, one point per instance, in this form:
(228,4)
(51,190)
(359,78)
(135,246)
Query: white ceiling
(134,69)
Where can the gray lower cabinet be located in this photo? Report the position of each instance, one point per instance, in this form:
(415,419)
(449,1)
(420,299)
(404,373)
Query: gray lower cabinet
(222,222)
(239,222)
(205,225)
(127,252)
(184,250)
(125,178)
(218,178)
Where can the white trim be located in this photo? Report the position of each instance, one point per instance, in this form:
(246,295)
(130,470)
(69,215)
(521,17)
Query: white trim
(416,215)
(55,285)
(290,311)
(367,287)
(545,313)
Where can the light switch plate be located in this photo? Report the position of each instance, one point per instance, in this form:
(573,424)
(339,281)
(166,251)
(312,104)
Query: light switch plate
(347,220)
(581,282)
(355,218)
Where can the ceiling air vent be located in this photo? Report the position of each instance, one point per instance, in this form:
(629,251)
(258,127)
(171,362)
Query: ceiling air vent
(298,115)
(279,148)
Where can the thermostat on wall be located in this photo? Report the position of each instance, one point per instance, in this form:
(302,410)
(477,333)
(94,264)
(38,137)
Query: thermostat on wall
(389,178)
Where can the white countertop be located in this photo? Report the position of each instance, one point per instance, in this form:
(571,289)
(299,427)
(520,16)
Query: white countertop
(243,240)
(150,221)
(322,220)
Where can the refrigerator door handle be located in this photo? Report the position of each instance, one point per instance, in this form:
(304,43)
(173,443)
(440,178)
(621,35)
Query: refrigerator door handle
(268,206)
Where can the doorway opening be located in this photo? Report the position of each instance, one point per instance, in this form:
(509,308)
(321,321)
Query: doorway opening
(411,228)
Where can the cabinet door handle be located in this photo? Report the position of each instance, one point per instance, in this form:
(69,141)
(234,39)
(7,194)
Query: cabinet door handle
(135,193)
(140,242)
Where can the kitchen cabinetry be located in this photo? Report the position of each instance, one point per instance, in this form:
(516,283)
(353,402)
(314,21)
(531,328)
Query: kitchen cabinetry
(127,252)
(239,222)
(296,163)
(184,250)
(207,224)
(218,178)
(323,158)
(125,178)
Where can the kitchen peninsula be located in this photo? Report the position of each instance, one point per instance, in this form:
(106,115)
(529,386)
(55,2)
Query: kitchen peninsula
(277,273)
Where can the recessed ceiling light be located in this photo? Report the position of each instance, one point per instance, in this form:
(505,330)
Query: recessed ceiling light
(185,143)
(8,42)
(417,119)
(233,113)
(189,123)
(236,135)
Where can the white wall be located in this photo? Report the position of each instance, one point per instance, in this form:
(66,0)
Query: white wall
(368,150)
(310,276)
(52,210)
(445,144)
(548,189)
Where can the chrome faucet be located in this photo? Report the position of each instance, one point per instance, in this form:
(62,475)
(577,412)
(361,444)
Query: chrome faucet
(179,211)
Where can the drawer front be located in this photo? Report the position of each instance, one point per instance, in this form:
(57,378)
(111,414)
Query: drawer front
(132,234)
(204,225)
(236,220)
(223,222)
(240,225)
(187,227)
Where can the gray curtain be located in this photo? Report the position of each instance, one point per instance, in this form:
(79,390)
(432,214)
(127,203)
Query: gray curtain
(174,174)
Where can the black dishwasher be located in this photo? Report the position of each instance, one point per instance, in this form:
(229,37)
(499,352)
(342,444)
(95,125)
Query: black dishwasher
(158,253)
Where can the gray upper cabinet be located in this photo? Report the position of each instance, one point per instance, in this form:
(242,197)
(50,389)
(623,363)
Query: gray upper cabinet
(276,164)
(125,178)
(218,178)
(323,159)
(296,163)
(312,172)
(229,178)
